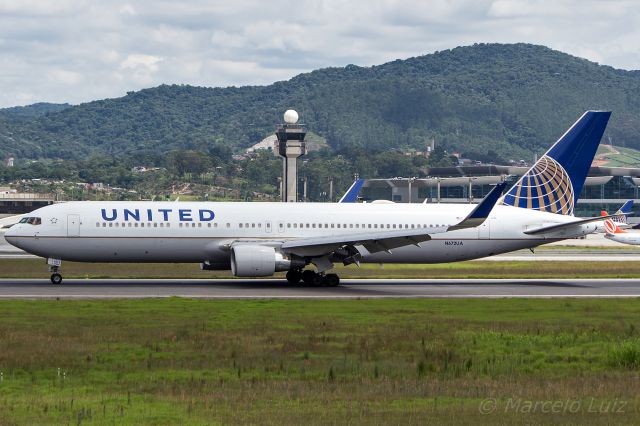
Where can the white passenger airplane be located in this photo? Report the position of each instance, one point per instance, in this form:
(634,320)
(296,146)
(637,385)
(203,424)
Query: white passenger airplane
(259,239)
(614,233)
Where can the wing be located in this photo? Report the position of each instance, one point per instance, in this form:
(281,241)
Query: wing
(373,242)
(387,240)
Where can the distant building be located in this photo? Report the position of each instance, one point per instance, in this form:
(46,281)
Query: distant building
(9,162)
(12,202)
(606,188)
(143,169)
(431,146)
(267,143)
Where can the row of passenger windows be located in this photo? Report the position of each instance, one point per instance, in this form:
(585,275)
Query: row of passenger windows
(153,225)
(132,225)
(360,226)
(268,225)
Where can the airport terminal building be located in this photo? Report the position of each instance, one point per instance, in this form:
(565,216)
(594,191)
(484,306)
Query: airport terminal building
(606,188)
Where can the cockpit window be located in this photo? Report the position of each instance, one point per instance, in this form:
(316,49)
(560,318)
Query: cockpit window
(31,220)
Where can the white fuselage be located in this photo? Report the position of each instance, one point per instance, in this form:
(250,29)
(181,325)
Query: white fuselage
(630,237)
(202,231)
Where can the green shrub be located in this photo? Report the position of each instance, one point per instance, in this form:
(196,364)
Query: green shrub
(625,354)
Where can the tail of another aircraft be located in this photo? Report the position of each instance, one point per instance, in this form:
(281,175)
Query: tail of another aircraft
(611,227)
(554,183)
(351,196)
(620,217)
(623,212)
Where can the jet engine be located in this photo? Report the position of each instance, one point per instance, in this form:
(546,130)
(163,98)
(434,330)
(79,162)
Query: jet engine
(260,261)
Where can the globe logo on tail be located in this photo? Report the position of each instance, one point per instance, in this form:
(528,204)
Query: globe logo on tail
(546,187)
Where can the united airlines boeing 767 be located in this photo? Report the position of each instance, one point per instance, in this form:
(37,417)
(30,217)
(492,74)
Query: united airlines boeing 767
(259,239)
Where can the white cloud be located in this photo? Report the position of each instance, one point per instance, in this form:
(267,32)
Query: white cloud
(65,77)
(127,9)
(81,50)
(140,68)
(140,61)
(227,40)
(38,7)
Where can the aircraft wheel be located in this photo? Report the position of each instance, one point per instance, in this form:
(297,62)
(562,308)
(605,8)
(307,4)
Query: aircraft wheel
(318,280)
(332,280)
(56,278)
(308,276)
(294,276)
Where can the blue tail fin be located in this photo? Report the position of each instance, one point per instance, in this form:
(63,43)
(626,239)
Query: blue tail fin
(554,183)
(626,208)
(351,196)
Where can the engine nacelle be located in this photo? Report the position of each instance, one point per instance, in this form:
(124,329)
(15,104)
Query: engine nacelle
(259,261)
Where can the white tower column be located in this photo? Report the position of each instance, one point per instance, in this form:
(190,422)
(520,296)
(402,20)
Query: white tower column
(291,146)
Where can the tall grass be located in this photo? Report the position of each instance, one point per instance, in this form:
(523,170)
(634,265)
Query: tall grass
(625,354)
(177,361)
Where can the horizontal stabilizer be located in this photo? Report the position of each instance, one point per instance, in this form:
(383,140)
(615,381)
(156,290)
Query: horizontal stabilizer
(560,226)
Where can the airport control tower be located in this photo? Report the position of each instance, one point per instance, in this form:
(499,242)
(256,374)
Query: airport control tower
(291,146)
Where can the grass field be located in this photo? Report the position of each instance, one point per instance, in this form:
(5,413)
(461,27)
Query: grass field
(36,268)
(180,361)
(619,156)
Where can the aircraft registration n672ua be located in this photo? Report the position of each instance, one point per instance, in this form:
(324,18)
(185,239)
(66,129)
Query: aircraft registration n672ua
(259,239)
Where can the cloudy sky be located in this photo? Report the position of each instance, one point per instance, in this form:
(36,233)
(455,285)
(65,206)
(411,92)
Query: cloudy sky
(81,50)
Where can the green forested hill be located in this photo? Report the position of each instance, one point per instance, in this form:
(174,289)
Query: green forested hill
(512,99)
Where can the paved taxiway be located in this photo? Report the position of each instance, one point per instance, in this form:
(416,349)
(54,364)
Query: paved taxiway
(350,289)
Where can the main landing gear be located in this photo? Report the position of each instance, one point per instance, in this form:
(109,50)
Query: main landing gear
(311,278)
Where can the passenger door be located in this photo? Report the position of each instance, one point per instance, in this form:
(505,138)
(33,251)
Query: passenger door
(73,225)
(484,230)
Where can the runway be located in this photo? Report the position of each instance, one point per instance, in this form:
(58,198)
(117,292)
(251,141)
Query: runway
(350,289)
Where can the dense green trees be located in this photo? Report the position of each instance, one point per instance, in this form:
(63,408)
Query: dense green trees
(512,99)
(256,173)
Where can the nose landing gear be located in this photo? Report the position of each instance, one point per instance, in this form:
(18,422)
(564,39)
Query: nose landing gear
(56,278)
(54,268)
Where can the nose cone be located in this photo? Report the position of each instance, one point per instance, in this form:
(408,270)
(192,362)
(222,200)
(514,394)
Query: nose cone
(11,234)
